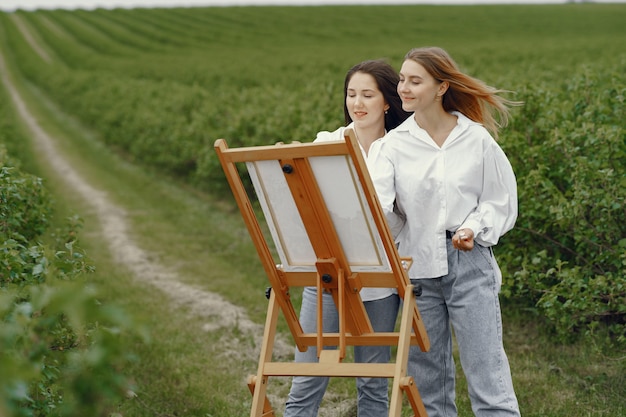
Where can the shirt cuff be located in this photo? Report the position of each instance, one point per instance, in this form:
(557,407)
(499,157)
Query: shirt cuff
(473,226)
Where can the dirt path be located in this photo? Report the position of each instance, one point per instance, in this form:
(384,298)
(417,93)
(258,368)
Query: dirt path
(19,22)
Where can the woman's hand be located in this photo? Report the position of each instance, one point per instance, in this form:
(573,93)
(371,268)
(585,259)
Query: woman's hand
(463,239)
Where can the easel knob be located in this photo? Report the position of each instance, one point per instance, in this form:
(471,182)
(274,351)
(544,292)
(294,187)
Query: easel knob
(417,288)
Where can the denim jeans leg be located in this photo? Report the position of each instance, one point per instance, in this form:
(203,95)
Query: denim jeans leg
(475,314)
(434,371)
(372,393)
(307,392)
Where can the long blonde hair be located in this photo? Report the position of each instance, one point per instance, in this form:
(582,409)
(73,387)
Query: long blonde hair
(465,94)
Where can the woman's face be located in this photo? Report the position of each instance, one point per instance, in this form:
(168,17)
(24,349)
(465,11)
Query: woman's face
(417,88)
(365,102)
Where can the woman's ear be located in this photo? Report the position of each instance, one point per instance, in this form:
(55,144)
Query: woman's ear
(443,87)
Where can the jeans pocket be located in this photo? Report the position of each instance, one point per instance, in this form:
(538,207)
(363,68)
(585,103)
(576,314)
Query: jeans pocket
(481,258)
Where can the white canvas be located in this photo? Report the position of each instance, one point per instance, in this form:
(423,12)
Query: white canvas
(346,203)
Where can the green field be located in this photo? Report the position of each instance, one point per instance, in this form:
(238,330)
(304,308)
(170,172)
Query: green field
(134,100)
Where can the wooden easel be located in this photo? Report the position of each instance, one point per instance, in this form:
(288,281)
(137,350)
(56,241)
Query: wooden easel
(321,255)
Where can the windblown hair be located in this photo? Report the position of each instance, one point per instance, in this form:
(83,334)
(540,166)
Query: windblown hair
(467,95)
(387,81)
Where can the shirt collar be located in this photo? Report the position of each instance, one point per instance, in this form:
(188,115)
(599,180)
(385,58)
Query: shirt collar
(410,122)
(411,126)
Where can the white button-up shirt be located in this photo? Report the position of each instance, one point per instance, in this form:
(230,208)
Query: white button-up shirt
(467,183)
(367,293)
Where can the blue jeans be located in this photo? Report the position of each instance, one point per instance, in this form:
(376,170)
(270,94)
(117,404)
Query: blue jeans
(467,300)
(307,392)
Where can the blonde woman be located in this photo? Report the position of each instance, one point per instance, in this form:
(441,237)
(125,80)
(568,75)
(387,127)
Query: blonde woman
(456,195)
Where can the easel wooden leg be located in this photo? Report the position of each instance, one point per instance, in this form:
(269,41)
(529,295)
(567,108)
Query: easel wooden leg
(408,386)
(268,411)
(402,355)
(402,382)
(258,383)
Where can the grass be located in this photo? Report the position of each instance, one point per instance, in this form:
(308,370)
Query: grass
(557,380)
(190,368)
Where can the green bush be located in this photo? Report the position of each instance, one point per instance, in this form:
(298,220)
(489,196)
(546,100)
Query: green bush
(60,347)
(24,205)
(567,253)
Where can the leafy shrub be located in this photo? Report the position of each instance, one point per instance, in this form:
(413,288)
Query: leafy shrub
(60,348)
(567,254)
(24,206)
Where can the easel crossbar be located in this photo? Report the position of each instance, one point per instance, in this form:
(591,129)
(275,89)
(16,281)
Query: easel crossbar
(373,370)
(289,151)
(367,339)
